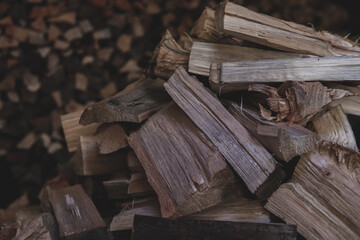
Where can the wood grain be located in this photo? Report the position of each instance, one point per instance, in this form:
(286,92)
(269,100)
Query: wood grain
(238,21)
(322,196)
(182,165)
(281,70)
(135,105)
(333,126)
(250,160)
(203,54)
(283,140)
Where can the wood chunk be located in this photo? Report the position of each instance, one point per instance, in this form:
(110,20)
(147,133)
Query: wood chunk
(351,104)
(109,90)
(322,196)
(250,160)
(241,22)
(283,140)
(28,141)
(117,187)
(73,34)
(333,126)
(87,60)
(54,32)
(281,70)
(110,138)
(6,42)
(205,30)
(135,105)
(47,11)
(69,18)
(61,45)
(39,25)
(137,27)
(124,43)
(297,102)
(19,33)
(102,34)
(81,82)
(130,66)
(73,106)
(167,56)
(73,130)
(8,215)
(32,82)
(36,38)
(146,227)
(76,214)
(184,168)
(86,26)
(44,51)
(8,83)
(139,185)
(105,54)
(203,54)
(43,226)
(89,162)
(125,219)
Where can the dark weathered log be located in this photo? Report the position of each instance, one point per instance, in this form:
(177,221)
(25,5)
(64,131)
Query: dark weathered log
(281,139)
(322,197)
(281,70)
(76,214)
(250,160)
(146,227)
(184,168)
(243,23)
(133,105)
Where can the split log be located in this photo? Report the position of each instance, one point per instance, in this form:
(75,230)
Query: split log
(110,138)
(281,70)
(167,56)
(88,161)
(250,160)
(322,196)
(235,20)
(146,227)
(117,186)
(184,168)
(73,130)
(297,102)
(132,105)
(76,214)
(333,126)
(43,226)
(205,30)
(239,210)
(139,185)
(283,140)
(203,54)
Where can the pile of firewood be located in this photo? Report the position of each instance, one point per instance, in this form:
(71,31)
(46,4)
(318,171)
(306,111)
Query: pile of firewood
(237,131)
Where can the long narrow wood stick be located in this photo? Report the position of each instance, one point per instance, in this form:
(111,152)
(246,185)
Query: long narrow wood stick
(241,22)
